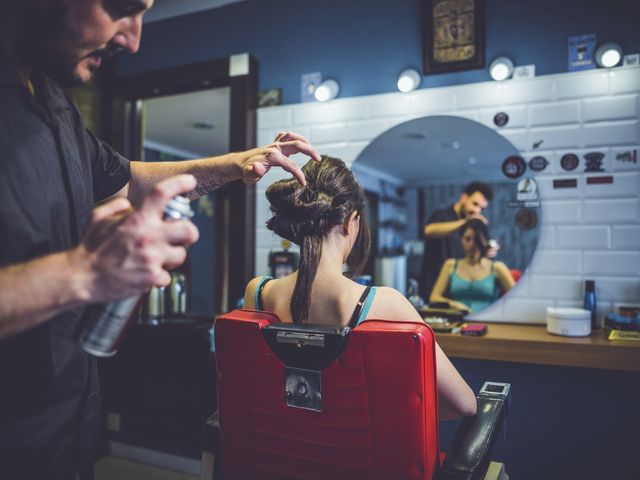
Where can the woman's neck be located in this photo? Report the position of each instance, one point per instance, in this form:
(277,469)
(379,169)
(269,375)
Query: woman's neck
(474,259)
(331,259)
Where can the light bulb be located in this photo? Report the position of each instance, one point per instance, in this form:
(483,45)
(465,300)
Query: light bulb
(327,90)
(408,80)
(501,68)
(608,55)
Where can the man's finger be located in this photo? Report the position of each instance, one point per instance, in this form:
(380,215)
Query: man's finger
(278,159)
(181,233)
(298,146)
(108,209)
(164,191)
(259,170)
(289,136)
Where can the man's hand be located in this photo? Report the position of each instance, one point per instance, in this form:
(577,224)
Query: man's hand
(126,251)
(494,247)
(258,161)
(478,216)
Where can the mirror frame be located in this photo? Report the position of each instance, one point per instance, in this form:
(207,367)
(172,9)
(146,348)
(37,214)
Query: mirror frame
(235,201)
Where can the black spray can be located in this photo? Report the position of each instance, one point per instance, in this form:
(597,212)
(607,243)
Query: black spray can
(105,325)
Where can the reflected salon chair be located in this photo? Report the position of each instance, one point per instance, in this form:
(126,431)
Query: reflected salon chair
(301,401)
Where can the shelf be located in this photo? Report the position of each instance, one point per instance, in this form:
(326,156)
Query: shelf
(532,344)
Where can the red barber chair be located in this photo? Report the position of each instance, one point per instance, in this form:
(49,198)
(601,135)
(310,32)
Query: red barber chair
(301,401)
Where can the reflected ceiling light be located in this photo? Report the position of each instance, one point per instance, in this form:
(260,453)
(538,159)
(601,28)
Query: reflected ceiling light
(327,90)
(409,80)
(501,68)
(608,55)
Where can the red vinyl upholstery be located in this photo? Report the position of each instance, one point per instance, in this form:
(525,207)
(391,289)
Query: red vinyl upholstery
(379,419)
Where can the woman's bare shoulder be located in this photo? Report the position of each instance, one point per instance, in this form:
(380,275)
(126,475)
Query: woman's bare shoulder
(249,292)
(390,304)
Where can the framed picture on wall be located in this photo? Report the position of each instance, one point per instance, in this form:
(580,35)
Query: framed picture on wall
(453,35)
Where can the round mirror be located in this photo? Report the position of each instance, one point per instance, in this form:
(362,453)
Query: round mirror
(414,175)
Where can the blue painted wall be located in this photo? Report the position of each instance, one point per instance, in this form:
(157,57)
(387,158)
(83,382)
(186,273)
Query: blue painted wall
(366,43)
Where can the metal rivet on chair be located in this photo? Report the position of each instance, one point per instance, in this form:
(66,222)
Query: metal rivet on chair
(415,337)
(421,468)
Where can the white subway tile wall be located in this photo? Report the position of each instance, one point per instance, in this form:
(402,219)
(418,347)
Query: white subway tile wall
(588,232)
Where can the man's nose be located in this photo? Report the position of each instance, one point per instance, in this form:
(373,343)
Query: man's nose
(128,36)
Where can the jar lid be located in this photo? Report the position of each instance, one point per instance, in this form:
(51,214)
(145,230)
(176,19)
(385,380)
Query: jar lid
(568,313)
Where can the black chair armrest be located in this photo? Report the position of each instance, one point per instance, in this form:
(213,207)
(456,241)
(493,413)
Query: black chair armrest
(470,453)
(211,433)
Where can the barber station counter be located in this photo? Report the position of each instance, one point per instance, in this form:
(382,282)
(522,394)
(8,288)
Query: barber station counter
(532,344)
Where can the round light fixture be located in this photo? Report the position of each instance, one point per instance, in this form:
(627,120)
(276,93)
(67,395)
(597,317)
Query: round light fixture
(608,55)
(327,90)
(501,68)
(409,80)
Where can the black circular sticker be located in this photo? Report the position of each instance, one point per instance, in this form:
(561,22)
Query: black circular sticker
(514,166)
(501,119)
(526,219)
(537,164)
(569,162)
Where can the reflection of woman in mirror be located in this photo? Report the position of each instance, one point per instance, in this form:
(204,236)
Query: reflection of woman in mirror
(473,282)
(325,219)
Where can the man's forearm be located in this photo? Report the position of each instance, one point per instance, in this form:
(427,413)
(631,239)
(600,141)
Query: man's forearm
(210,173)
(442,229)
(35,291)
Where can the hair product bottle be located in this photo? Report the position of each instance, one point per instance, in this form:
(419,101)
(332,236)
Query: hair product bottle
(591,304)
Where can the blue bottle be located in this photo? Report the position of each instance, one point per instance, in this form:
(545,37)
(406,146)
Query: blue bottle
(590,303)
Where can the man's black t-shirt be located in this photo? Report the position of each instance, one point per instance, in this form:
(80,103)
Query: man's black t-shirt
(437,250)
(52,171)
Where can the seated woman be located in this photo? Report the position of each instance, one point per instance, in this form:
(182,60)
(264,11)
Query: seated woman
(473,281)
(325,219)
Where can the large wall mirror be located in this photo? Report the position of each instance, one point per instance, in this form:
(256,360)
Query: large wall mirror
(422,165)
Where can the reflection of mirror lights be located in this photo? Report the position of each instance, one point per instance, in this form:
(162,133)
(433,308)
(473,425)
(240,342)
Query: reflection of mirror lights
(608,55)
(409,80)
(501,68)
(327,90)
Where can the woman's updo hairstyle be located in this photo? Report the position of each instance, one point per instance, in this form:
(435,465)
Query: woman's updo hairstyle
(306,214)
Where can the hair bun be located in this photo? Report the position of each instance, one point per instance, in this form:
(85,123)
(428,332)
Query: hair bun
(313,209)
(300,211)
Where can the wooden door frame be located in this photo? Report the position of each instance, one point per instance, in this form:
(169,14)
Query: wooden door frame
(237,225)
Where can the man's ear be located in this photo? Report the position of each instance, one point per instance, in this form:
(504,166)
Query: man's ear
(346,227)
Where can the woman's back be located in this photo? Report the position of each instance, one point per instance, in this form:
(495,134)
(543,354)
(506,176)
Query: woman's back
(324,218)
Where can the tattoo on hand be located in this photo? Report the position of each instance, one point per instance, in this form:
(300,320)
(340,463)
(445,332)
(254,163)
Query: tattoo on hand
(209,187)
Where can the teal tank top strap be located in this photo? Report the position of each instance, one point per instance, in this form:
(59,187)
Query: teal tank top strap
(366,306)
(257,298)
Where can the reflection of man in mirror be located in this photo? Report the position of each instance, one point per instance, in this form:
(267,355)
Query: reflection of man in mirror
(441,238)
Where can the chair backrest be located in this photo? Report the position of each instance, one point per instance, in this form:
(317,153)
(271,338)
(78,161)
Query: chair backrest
(378,415)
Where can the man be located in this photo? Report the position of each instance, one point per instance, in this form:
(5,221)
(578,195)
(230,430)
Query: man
(57,255)
(441,233)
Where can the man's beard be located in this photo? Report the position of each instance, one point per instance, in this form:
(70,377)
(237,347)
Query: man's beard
(62,67)
(38,45)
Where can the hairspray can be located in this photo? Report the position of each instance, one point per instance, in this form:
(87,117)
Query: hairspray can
(105,325)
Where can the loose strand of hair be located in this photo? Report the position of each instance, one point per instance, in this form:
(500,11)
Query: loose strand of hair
(310,252)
